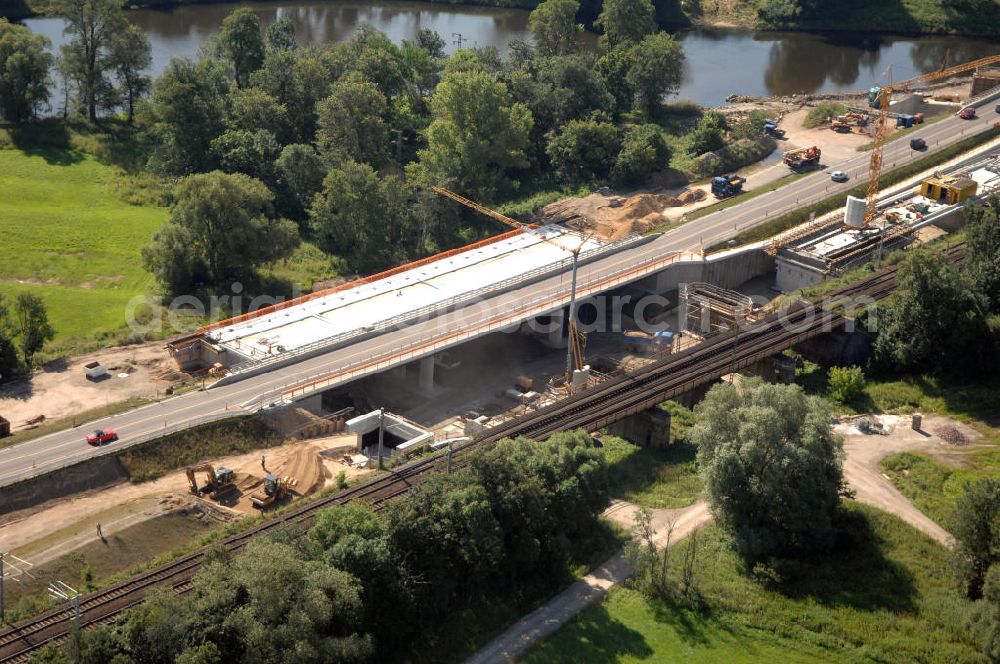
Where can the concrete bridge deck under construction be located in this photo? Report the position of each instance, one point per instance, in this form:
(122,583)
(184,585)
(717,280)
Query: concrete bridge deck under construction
(402,344)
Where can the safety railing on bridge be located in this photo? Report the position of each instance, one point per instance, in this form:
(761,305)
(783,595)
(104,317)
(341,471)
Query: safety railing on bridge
(408,352)
(423,313)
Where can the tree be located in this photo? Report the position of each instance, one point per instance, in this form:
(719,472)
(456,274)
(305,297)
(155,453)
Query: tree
(32,325)
(249,152)
(772,468)
(614,68)
(554,26)
(584,150)
(709,135)
(218,230)
(933,321)
(9,364)
(24,71)
(300,174)
(241,43)
(543,495)
(91,26)
(128,57)
(656,71)
(477,134)
(361,217)
(643,153)
(975,523)
(846,384)
(982,261)
(779,11)
(625,22)
(984,620)
(253,109)
(431,42)
(281,35)
(353,124)
(185,115)
(559,89)
(445,531)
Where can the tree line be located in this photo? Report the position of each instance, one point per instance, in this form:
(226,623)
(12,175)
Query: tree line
(360,586)
(337,143)
(945,319)
(24,329)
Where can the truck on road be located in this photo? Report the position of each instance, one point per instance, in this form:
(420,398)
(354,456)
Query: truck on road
(802,159)
(724,186)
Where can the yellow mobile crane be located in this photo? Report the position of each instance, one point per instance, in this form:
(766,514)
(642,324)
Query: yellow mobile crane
(576,340)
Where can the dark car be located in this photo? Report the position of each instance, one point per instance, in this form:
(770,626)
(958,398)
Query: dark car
(918,144)
(100,437)
(998,108)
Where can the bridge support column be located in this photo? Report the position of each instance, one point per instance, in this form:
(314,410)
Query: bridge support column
(427,374)
(650,428)
(556,338)
(312,403)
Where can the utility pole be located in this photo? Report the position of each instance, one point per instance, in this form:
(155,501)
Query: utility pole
(2,554)
(381,434)
(570,326)
(457,39)
(450,443)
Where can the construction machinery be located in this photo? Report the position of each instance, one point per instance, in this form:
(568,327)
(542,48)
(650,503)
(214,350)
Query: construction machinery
(802,159)
(217,479)
(724,186)
(274,489)
(576,340)
(880,98)
(771,129)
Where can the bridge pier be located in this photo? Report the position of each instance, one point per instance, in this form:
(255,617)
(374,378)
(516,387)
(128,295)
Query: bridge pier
(426,380)
(649,428)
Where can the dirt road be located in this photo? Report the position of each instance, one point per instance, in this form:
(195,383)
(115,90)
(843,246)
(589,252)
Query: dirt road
(548,618)
(864,474)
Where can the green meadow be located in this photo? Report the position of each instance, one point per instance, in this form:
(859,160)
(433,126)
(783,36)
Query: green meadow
(69,236)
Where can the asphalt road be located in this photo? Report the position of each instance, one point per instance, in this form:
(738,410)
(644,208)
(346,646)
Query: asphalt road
(64,448)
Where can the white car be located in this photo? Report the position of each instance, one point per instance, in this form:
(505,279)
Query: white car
(838,176)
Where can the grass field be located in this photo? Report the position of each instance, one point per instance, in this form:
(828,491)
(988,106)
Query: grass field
(888,598)
(656,477)
(70,238)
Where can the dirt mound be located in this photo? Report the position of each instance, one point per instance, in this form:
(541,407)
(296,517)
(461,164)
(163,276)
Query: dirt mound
(288,421)
(692,196)
(608,216)
(304,471)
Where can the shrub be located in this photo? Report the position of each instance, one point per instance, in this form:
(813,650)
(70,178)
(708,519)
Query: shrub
(823,112)
(846,383)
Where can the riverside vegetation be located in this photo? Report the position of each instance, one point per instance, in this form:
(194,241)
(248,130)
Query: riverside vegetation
(259,128)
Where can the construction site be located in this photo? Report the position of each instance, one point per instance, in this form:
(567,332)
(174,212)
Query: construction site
(549,361)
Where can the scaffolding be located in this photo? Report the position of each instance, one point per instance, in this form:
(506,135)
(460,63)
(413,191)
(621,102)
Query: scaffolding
(709,309)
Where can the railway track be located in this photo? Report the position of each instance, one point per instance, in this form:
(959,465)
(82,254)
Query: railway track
(590,409)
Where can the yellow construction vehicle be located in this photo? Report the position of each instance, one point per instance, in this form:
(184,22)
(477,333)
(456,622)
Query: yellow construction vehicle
(217,479)
(274,489)
(879,99)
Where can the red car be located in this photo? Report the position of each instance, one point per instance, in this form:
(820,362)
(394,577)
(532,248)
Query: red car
(101,437)
(967,113)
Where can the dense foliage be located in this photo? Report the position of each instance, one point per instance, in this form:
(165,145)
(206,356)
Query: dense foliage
(24,71)
(362,586)
(935,321)
(772,468)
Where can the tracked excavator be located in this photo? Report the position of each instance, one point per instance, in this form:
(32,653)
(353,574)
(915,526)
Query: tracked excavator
(217,479)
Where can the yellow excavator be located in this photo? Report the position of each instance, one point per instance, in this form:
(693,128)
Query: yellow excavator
(274,489)
(217,479)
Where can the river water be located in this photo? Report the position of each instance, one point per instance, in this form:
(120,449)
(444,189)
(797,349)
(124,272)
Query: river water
(719,62)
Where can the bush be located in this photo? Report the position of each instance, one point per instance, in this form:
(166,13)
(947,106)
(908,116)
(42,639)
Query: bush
(822,113)
(643,152)
(846,383)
